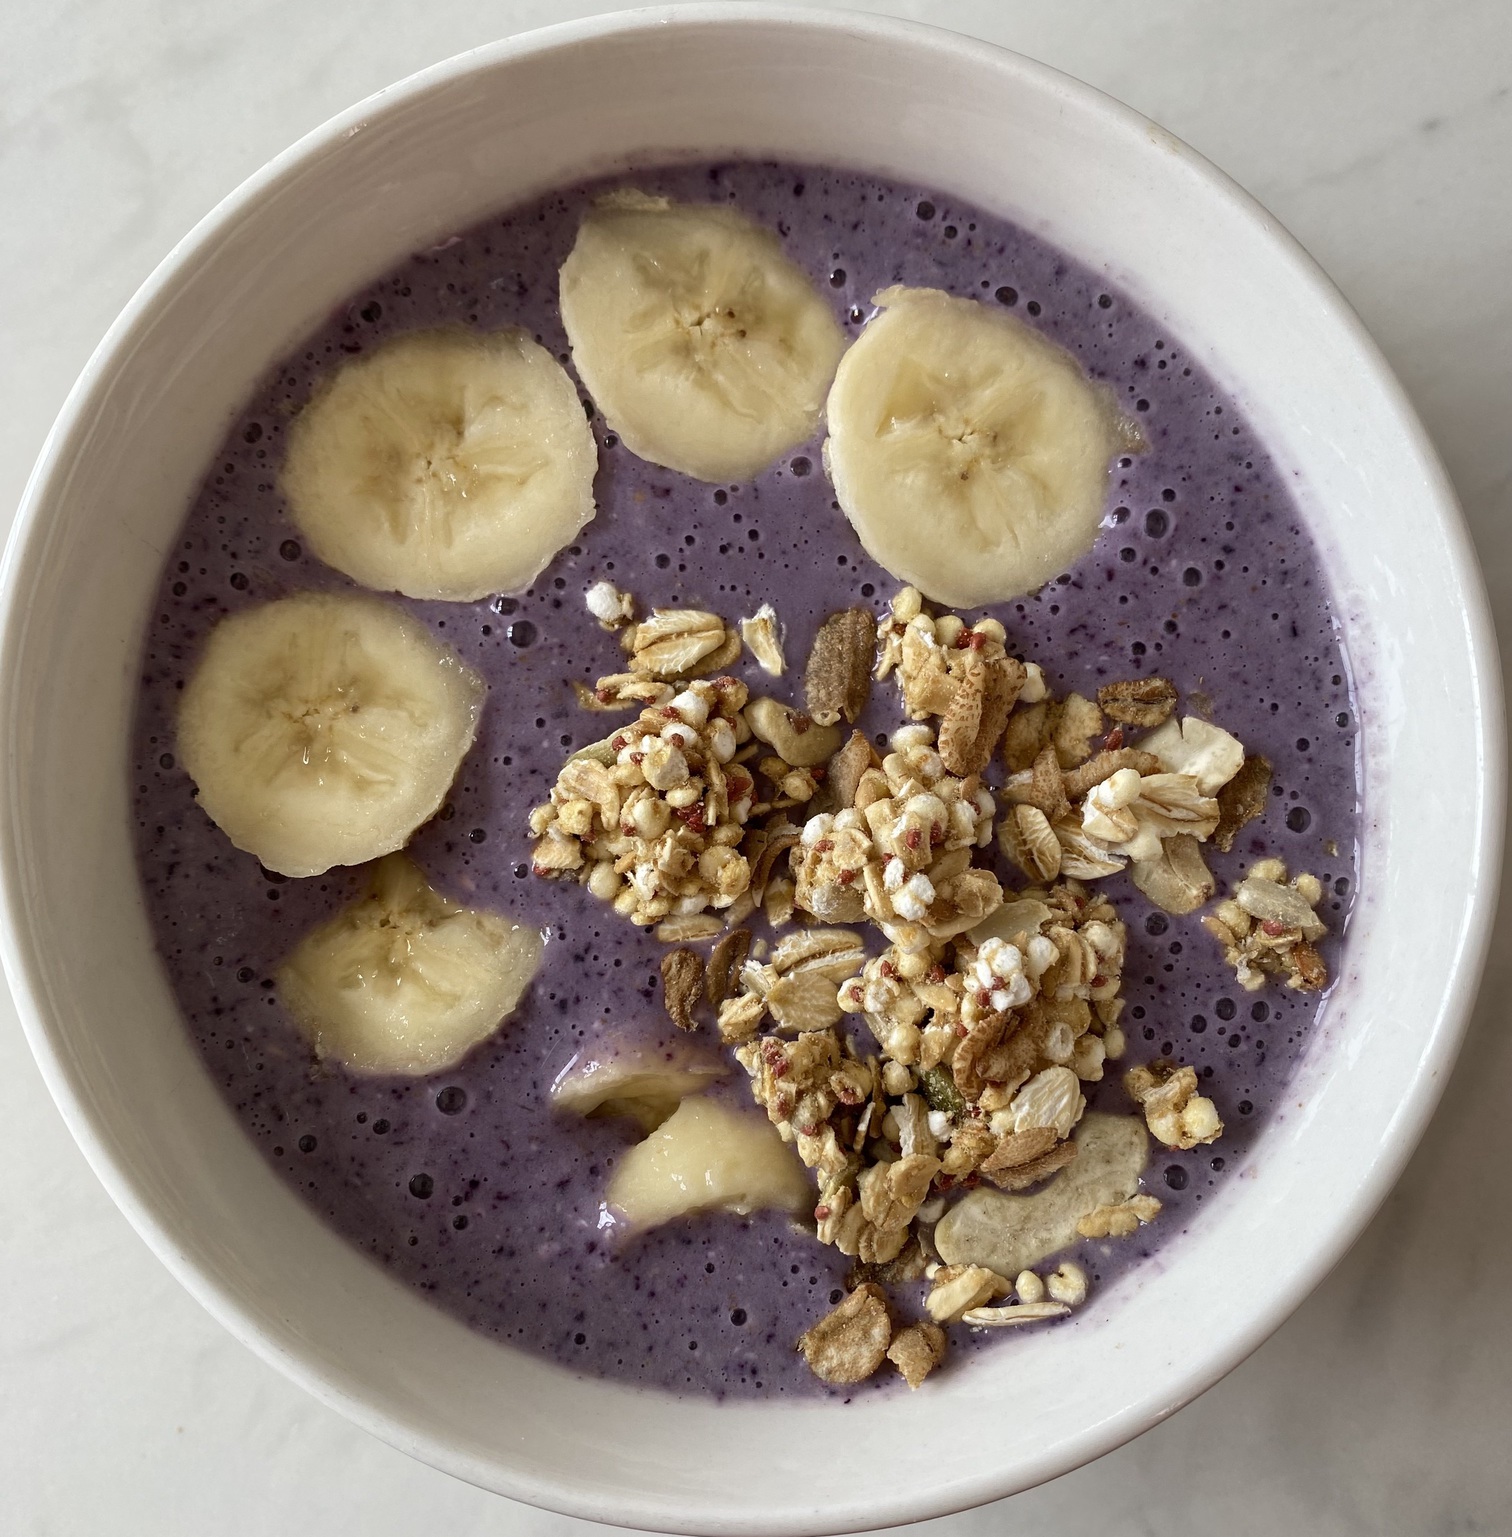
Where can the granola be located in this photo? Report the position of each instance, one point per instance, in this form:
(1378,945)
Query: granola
(1268,928)
(1173,1109)
(914,1029)
(850,1343)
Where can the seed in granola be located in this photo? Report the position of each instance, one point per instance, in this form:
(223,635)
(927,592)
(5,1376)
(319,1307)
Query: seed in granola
(1015,1313)
(837,679)
(850,1343)
(1143,702)
(1242,799)
(940,1092)
(723,971)
(682,983)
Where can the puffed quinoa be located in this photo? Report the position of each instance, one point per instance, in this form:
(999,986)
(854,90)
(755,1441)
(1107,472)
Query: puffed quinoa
(1068,1284)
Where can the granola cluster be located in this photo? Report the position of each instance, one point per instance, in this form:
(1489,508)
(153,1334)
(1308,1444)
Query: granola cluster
(651,819)
(671,645)
(912,1028)
(900,852)
(1268,926)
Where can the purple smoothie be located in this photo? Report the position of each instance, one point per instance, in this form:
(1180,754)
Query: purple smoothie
(465,1184)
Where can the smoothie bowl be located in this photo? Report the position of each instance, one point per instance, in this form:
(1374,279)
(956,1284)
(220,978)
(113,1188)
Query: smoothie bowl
(778,746)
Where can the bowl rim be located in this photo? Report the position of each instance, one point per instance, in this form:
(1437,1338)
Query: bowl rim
(21,957)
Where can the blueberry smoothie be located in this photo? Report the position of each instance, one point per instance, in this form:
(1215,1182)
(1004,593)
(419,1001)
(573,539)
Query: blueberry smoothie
(467,1184)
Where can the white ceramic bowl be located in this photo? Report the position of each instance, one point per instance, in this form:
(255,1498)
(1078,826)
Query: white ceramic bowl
(433,155)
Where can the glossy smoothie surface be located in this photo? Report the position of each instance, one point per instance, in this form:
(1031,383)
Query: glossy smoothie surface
(465,1184)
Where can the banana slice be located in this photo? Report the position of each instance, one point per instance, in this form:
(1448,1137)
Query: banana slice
(324,729)
(644,1080)
(970,453)
(707,350)
(443,465)
(706,1157)
(403,980)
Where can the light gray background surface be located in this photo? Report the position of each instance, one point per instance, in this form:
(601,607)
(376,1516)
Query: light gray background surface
(1381,134)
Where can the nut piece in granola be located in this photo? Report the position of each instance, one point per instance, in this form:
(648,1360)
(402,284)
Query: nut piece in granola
(705,1157)
(837,679)
(1012,1233)
(682,985)
(763,636)
(796,738)
(850,1343)
(1175,1112)
(646,1081)
(917,1350)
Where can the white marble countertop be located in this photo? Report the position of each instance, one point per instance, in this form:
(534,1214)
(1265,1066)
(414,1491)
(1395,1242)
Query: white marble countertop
(1381,133)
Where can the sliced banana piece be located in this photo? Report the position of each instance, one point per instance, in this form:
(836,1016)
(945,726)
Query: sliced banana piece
(644,1080)
(706,348)
(404,980)
(443,465)
(970,453)
(323,729)
(707,1157)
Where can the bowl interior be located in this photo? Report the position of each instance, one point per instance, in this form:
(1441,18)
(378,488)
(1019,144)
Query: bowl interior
(434,155)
